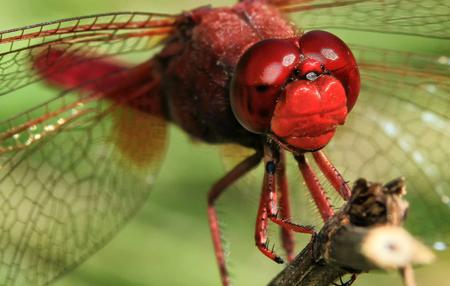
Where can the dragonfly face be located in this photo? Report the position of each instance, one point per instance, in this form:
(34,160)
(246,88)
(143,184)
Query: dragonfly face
(297,90)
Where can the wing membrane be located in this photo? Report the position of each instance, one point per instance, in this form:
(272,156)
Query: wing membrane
(74,169)
(427,18)
(96,36)
(400,127)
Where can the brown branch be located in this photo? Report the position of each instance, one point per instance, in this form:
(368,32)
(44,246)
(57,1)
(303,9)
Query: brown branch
(365,234)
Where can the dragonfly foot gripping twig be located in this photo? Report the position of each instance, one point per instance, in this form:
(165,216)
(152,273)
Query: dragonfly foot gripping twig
(365,234)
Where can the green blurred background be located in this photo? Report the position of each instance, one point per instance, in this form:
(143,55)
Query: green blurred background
(168,242)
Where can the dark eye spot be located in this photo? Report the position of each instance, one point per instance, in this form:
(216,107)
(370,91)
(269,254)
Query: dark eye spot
(262,88)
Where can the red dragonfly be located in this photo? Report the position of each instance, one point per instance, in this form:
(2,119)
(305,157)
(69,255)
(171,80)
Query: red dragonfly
(79,165)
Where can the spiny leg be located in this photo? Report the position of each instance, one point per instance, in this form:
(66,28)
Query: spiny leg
(315,188)
(262,221)
(287,236)
(268,207)
(332,174)
(215,192)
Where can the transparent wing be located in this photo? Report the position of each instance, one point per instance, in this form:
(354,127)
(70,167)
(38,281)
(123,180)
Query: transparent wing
(428,18)
(73,170)
(96,36)
(400,127)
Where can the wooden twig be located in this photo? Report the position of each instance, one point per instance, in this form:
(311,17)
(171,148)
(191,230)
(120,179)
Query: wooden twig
(365,234)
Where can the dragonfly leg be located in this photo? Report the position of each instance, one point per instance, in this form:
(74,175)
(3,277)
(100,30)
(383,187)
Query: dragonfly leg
(268,209)
(262,221)
(215,192)
(346,283)
(332,174)
(287,236)
(314,187)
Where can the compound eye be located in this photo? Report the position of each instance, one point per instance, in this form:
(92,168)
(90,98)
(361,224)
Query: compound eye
(260,73)
(337,59)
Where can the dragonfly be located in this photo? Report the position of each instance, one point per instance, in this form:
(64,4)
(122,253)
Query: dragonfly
(77,166)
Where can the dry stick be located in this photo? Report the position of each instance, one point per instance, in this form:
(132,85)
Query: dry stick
(365,234)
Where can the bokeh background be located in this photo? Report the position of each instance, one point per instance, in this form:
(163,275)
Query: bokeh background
(168,242)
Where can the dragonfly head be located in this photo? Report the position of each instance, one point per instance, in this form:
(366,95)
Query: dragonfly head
(296,90)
